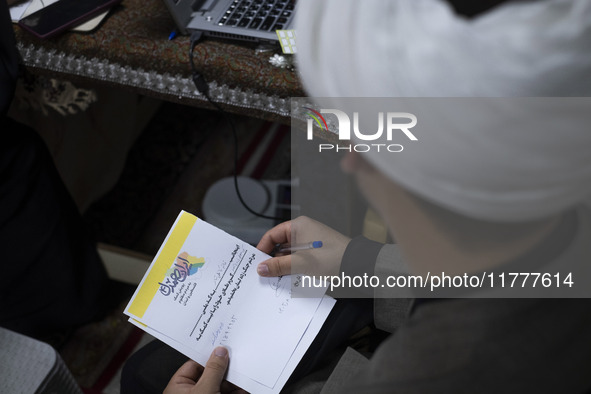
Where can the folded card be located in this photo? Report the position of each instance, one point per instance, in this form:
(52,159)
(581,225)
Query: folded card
(202,291)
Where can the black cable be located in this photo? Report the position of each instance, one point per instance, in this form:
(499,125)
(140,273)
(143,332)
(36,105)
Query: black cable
(203,88)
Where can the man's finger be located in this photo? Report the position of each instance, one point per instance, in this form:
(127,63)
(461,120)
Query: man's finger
(277,235)
(188,373)
(214,372)
(276,266)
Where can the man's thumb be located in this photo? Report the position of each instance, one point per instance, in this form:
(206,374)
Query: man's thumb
(214,372)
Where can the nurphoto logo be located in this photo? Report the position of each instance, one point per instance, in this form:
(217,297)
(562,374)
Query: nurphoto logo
(390,123)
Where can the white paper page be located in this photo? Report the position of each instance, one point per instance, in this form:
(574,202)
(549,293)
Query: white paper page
(17,11)
(36,5)
(205,292)
(243,381)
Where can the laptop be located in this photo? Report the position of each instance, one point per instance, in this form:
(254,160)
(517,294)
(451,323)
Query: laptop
(246,20)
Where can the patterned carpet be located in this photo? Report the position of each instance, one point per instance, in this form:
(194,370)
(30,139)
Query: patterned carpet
(178,156)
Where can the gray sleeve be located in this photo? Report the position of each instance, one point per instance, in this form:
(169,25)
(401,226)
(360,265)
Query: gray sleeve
(391,305)
(366,257)
(389,311)
(350,364)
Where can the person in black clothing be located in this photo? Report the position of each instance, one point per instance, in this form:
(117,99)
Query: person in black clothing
(52,277)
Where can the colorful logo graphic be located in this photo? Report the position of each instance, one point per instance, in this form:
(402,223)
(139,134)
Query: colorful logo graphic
(184,266)
(193,264)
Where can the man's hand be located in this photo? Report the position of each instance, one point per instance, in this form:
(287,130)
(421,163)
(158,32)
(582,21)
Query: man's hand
(192,378)
(323,261)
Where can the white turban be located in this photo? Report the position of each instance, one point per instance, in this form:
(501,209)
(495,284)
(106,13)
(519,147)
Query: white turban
(509,159)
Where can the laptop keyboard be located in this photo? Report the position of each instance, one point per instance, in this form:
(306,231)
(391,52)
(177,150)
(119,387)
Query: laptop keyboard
(258,14)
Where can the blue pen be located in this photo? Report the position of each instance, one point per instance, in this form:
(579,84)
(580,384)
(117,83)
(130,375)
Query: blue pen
(287,248)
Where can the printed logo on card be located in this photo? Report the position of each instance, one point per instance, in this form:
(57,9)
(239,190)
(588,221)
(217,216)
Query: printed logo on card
(185,265)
